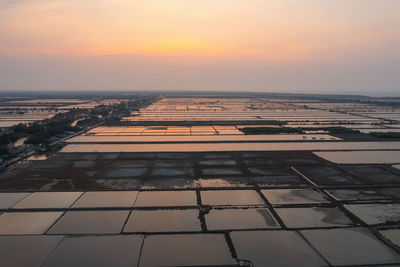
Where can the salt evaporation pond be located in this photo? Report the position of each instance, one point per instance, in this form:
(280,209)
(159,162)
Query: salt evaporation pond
(356,157)
(212,138)
(277,146)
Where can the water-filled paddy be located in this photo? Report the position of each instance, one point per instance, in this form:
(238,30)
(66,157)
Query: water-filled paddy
(360,157)
(352,157)
(201,138)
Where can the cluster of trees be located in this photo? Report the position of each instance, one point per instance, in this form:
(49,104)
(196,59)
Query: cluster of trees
(40,132)
(37,132)
(9,137)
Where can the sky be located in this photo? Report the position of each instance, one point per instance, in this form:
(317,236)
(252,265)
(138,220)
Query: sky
(289,46)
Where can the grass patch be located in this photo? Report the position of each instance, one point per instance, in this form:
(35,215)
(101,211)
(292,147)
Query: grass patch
(387,135)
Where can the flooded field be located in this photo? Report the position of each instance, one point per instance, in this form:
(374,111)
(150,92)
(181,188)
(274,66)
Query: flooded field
(366,110)
(179,180)
(164,130)
(379,130)
(200,138)
(196,147)
(225,135)
(13,112)
(14,119)
(251,109)
(361,156)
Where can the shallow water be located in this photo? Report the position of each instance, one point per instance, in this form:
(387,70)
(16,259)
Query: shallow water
(375,213)
(393,235)
(365,194)
(172,172)
(26,251)
(211,162)
(221,171)
(163,221)
(280,146)
(27,223)
(126,172)
(231,197)
(351,246)
(43,200)
(231,219)
(96,251)
(312,217)
(351,157)
(90,222)
(186,250)
(106,199)
(199,138)
(9,199)
(294,196)
(282,248)
(166,199)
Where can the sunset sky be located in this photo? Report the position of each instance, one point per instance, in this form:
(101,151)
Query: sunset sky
(341,46)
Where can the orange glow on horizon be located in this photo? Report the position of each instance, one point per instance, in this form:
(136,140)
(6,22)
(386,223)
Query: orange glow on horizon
(261,30)
(260,45)
(178,48)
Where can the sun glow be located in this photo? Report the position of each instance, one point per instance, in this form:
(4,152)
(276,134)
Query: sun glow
(199,44)
(175,28)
